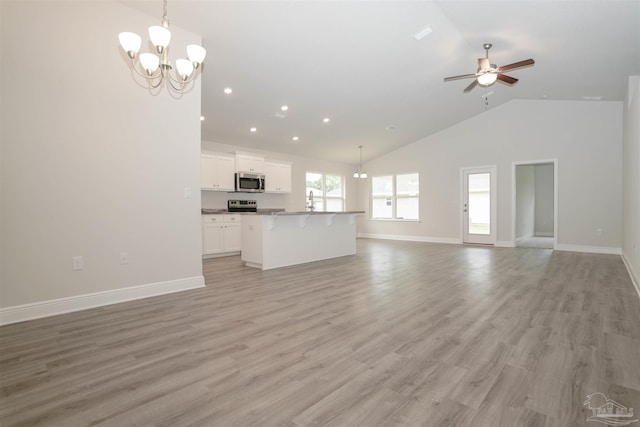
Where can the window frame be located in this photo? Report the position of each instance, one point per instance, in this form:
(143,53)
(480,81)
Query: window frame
(324,196)
(394,198)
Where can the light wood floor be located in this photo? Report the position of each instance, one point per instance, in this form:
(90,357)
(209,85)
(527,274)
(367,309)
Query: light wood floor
(536,242)
(401,334)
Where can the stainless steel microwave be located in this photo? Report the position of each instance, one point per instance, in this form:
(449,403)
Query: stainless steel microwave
(248,182)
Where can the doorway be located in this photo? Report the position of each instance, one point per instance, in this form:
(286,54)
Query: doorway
(479,205)
(534,204)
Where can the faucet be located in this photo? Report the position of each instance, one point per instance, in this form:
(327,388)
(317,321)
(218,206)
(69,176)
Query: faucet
(311,207)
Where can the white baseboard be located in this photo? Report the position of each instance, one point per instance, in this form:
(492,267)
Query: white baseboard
(635,278)
(543,234)
(21,313)
(425,239)
(504,244)
(220,255)
(590,249)
(521,238)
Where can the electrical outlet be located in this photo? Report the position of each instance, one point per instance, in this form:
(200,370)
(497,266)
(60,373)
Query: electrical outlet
(124,258)
(187,192)
(77,263)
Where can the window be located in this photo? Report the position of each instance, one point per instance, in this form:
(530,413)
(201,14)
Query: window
(328,191)
(395,197)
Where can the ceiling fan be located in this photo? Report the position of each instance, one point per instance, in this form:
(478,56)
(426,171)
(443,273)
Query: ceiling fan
(488,73)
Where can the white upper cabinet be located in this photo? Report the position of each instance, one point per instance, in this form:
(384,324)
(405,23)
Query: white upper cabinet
(249,163)
(277,177)
(217,172)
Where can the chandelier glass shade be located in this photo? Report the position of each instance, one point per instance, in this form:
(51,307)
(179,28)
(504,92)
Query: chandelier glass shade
(155,68)
(360,173)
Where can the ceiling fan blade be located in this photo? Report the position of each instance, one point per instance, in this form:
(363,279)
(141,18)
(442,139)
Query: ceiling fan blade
(507,79)
(464,76)
(471,86)
(483,63)
(516,65)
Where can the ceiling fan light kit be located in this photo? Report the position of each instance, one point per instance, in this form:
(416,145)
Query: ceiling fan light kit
(487,79)
(156,69)
(488,73)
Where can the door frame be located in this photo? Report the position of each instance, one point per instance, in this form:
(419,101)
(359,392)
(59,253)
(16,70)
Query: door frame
(555,196)
(493,170)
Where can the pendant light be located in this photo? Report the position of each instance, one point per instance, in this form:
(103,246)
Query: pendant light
(360,173)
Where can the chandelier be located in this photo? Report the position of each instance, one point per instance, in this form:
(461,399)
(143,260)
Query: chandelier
(157,69)
(360,173)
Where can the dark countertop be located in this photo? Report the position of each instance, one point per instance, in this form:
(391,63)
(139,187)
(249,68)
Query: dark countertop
(267,211)
(279,212)
(283,213)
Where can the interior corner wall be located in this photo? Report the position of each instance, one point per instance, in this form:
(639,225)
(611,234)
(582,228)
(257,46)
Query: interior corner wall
(631,180)
(92,164)
(525,200)
(585,137)
(544,211)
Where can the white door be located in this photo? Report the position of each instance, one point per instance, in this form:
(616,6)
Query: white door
(479,205)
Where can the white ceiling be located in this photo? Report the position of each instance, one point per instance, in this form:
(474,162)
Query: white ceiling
(357,63)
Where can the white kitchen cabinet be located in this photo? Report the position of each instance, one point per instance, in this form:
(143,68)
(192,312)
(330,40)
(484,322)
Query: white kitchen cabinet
(220,234)
(217,172)
(277,177)
(249,163)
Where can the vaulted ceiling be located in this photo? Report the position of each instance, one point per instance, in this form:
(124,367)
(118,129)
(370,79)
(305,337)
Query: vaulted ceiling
(358,64)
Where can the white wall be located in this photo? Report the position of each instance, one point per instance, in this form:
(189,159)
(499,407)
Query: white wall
(631,180)
(92,164)
(296,201)
(525,200)
(544,200)
(585,137)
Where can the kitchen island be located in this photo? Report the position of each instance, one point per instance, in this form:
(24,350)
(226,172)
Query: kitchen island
(279,239)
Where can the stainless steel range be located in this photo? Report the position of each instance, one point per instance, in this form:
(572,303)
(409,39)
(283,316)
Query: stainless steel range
(242,206)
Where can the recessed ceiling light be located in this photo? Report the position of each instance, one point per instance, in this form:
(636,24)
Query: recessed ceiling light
(545,96)
(326,120)
(391,127)
(253,129)
(422,33)
(593,98)
(202,118)
(228,90)
(284,108)
(295,138)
